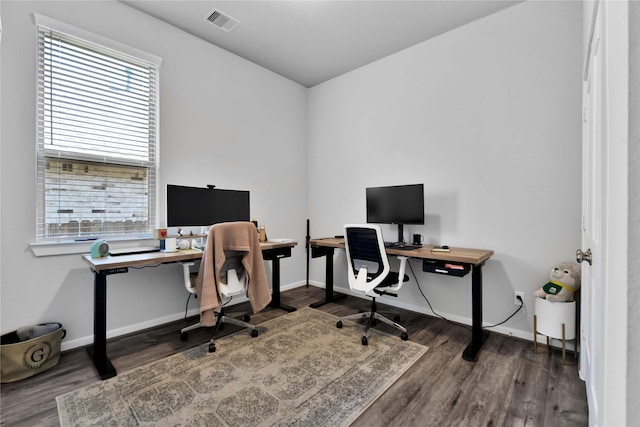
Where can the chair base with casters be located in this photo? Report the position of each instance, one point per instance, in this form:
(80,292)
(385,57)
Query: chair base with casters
(235,285)
(221,319)
(372,316)
(391,283)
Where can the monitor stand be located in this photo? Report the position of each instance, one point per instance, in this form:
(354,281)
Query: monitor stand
(400,242)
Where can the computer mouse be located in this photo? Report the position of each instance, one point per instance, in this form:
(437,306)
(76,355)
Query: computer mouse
(445,247)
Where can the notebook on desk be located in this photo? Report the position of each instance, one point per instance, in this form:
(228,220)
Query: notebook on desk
(280,240)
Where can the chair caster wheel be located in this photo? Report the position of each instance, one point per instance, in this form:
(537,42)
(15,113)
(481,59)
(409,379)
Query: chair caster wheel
(212,347)
(365,341)
(339,324)
(184,336)
(404,336)
(254,333)
(246,318)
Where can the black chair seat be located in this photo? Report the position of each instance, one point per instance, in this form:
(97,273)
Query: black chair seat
(391,280)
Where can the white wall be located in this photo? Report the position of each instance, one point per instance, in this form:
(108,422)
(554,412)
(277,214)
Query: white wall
(224,121)
(488,118)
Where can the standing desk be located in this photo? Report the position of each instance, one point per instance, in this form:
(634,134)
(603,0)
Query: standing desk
(103,267)
(470,259)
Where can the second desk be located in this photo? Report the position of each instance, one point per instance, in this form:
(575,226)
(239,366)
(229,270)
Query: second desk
(471,260)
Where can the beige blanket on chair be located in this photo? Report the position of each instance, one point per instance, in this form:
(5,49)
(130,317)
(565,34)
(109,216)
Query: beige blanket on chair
(234,236)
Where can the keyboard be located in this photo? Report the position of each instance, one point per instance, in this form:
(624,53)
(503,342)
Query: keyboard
(405,247)
(133,251)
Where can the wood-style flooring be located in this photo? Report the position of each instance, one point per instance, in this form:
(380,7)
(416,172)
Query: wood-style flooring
(509,385)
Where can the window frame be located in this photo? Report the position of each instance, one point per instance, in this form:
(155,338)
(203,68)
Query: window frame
(46,245)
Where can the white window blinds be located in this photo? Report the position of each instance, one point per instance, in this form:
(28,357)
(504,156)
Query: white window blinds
(97,139)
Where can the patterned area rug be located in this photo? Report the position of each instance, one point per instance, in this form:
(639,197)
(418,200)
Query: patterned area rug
(300,371)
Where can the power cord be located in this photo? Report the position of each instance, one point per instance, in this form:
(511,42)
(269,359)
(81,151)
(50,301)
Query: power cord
(186,307)
(513,314)
(427,299)
(452,322)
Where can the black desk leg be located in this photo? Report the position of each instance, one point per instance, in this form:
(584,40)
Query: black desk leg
(98,351)
(275,282)
(477,334)
(329,296)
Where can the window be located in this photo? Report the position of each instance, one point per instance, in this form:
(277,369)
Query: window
(97,136)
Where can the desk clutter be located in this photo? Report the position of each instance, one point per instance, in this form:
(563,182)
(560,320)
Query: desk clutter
(171,243)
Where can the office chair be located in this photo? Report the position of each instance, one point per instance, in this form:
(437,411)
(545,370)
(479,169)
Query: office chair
(233,280)
(369,272)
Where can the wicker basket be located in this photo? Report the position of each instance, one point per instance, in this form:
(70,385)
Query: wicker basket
(29,351)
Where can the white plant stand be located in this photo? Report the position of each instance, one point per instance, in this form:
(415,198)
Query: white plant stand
(555,320)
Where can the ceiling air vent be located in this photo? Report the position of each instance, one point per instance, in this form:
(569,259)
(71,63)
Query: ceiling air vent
(222,20)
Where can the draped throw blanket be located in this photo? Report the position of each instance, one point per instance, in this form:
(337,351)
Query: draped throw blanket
(231,236)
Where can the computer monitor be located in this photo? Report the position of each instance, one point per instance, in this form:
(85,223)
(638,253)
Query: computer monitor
(195,206)
(398,204)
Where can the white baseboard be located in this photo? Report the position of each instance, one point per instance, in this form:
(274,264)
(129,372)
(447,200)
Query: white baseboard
(528,336)
(84,341)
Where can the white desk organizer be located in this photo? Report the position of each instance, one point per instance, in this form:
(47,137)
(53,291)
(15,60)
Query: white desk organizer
(555,320)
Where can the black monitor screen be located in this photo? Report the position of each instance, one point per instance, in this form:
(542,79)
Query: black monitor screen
(193,206)
(400,204)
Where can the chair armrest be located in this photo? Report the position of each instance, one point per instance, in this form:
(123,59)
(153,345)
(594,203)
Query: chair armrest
(401,270)
(361,283)
(186,273)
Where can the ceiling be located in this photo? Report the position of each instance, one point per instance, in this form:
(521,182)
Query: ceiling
(310,42)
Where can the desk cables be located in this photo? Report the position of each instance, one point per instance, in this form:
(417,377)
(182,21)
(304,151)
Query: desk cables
(458,324)
(508,318)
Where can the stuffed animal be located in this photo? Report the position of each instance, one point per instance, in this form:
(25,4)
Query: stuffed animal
(564,281)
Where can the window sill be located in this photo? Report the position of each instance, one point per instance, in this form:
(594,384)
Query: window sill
(70,247)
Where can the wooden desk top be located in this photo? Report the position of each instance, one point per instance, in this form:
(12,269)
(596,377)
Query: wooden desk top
(465,255)
(151,258)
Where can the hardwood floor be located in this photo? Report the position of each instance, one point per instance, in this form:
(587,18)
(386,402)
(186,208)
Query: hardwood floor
(509,385)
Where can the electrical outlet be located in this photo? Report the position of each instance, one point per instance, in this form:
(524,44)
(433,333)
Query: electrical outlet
(517,294)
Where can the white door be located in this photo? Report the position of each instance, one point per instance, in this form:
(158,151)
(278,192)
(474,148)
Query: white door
(593,284)
(604,226)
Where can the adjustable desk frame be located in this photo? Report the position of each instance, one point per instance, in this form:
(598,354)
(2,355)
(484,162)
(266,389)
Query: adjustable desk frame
(471,258)
(103,267)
